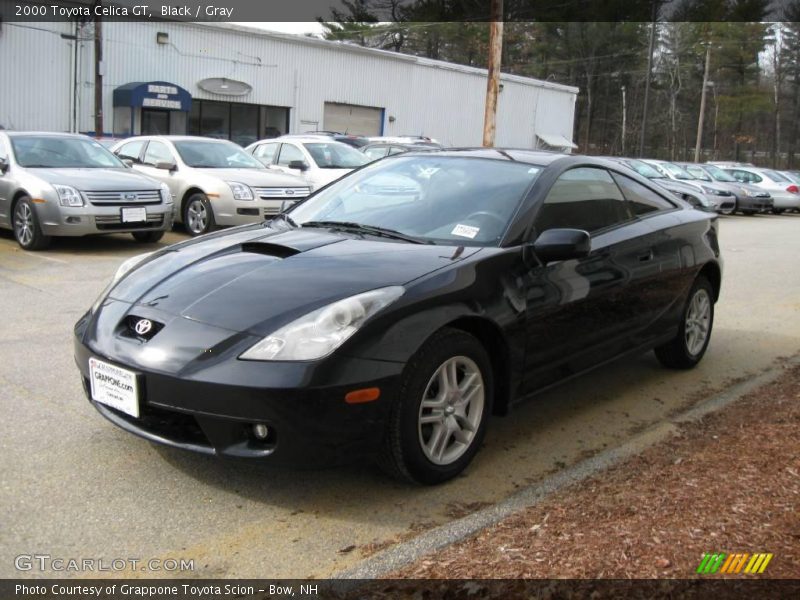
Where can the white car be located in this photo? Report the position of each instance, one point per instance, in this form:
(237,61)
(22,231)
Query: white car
(214,182)
(317,159)
(720,198)
(785,193)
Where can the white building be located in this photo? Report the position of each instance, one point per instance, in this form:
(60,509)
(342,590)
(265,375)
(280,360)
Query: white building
(245,84)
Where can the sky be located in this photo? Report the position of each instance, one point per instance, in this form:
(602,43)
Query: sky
(299,28)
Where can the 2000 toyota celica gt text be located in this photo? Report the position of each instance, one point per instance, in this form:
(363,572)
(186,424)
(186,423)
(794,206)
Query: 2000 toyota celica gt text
(391,313)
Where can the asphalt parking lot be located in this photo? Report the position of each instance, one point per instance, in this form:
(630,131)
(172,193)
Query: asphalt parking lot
(74,486)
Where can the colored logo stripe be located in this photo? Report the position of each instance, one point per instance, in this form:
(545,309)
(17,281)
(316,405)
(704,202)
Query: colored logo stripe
(733,563)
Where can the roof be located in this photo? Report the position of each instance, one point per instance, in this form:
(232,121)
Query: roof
(534,157)
(388,54)
(177,138)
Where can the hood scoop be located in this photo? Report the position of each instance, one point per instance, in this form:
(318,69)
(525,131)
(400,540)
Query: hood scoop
(268,249)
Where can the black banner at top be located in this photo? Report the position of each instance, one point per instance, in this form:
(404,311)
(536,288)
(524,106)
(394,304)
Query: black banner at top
(387,11)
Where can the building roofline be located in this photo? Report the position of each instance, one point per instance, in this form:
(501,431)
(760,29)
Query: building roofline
(408,58)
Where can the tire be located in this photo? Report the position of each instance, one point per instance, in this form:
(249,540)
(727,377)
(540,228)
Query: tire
(198,216)
(749,213)
(27,230)
(410,451)
(778,211)
(685,350)
(147,237)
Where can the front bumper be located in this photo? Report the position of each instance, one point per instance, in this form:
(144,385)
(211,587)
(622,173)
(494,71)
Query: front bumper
(750,203)
(214,412)
(92,220)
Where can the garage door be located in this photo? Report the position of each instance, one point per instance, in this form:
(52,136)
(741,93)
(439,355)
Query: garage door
(349,118)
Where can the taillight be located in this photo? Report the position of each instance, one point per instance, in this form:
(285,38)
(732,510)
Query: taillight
(794,189)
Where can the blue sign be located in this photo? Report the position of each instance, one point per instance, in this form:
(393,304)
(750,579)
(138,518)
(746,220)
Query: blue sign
(155,94)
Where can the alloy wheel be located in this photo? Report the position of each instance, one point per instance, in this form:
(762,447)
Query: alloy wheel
(698,321)
(451,410)
(196,217)
(23,224)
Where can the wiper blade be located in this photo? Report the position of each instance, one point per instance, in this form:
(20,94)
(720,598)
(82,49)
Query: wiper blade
(368,229)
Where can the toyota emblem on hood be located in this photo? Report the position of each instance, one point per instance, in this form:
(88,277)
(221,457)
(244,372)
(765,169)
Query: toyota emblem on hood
(143,326)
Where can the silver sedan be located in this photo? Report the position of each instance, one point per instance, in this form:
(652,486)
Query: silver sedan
(56,184)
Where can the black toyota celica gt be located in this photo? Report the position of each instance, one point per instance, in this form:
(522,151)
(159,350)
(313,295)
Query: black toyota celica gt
(392,312)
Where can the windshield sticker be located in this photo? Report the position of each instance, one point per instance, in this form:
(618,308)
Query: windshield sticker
(466,231)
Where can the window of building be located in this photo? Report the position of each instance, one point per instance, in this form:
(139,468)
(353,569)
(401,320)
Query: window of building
(240,123)
(157,152)
(583,198)
(642,199)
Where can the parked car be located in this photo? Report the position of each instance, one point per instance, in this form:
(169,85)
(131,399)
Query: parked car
(785,194)
(57,184)
(723,200)
(749,198)
(357,324)
(418,140)
(356,141)
(377,150)
(214,182)
(317,160)
(685,191)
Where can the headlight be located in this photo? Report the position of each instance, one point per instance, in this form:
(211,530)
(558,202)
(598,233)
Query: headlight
(320,332)
(708,190)
(68,196)
(240,191)
(122,270)
(166,195)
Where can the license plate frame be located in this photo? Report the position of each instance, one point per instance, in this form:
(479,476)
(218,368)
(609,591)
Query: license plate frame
(133,214)
(114,386)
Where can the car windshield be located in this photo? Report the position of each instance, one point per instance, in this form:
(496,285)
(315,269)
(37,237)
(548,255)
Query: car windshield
(451,200)
(644,169)
(336,155)
(215,155)
(53,152)
(676,171)
(719,174)
(698,173)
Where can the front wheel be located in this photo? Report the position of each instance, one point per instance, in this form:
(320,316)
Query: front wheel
(686,349)
(27,230)
(198,217)
(439,418)
(147,237)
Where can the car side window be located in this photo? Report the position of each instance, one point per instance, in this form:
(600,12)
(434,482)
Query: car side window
(131,150)
(376,152)
(745,176)
(583,198)
(266,152)
(290,152)
(157,152)
(642,199)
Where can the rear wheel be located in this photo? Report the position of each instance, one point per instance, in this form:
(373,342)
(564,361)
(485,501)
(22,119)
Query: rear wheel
(147,237)
(198,217)
(686,349)
(439,417)
(27,230)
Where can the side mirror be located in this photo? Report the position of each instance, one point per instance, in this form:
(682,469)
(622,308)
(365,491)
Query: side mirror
(3,165)
(128,162)
(562,244)
(300,165)
(167,165)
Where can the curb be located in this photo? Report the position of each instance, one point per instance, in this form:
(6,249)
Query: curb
(407,552)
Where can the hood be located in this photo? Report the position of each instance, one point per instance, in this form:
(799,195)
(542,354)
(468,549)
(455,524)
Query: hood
(256,177)
(98,180)
(256,279)
(677,186)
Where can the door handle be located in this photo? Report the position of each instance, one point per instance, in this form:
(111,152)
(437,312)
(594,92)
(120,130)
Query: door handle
(646,256)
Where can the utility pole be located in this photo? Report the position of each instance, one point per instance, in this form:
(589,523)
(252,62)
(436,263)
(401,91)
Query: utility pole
(98,74)
(624,120)
(493,81)
(701,118)
(649,74)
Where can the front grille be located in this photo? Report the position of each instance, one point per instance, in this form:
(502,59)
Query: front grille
(124,198)
(271,210)
(111,222)
(266,193)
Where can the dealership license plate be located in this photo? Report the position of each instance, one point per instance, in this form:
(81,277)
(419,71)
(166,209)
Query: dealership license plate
(134,214)
(114,386)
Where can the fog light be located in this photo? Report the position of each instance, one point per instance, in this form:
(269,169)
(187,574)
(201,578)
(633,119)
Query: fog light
(73,220)
(261,431)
